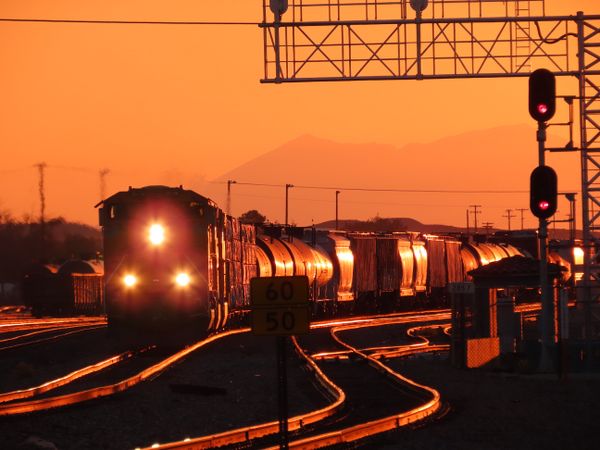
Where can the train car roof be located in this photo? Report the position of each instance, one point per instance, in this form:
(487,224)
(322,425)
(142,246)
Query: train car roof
(515,266)
(134,194)
(79,266)
(41,269)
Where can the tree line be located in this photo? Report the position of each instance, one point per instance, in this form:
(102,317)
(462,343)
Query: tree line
(24,242)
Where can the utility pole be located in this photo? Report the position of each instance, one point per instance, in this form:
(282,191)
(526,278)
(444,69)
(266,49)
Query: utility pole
(42,191)
(509,216)
(103,173)
(229,183)
(488,227)
(572,221)
(468,225)
(547,315)
(475,212)
(287,190)
(337,195)
(522,211)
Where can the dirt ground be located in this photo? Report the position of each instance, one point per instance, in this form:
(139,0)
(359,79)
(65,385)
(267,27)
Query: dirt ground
(487,410)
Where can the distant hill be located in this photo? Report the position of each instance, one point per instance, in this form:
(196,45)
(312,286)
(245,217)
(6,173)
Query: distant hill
(407,224)
(389,224)
(433,182)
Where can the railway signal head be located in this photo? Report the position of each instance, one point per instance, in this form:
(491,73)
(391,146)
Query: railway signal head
(543,192)
(542,95)
(278,6)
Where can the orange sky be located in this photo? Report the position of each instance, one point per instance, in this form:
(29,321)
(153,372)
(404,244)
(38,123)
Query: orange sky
(174,104)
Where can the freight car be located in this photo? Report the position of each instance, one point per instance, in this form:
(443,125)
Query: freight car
(172,256)
(74,288)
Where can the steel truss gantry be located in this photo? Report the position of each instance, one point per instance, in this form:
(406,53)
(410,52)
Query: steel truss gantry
(352,40)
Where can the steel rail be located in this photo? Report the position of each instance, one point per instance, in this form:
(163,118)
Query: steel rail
(111,389)
(79,329)
(37,324)
(384,349)
(424,346)
(361,431)
(53,384)
(400,353)
(41,331)
(246,434)
(399,350)
(442,313)
(389,319)
(11,309)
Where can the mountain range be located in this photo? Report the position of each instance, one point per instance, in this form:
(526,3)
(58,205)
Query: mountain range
(435,182)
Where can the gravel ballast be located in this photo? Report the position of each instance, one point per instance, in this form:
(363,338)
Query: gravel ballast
(229,384)
(488,410)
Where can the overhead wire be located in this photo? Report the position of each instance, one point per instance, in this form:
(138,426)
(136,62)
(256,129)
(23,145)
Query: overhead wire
(127,22)
(356,202)
(363,189)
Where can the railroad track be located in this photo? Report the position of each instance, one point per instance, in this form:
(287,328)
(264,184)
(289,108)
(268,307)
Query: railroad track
(27,324)
(25,337)
(354,412)
(23,331)
(32,392)
(376,402)
(9,405)
(9,312)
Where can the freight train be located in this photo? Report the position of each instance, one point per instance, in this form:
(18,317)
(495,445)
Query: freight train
(75,287)
(173,256)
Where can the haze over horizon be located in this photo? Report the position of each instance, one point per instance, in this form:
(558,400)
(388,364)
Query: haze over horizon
(317,166)
(183,105)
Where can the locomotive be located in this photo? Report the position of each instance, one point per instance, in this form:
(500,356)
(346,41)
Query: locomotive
(173,256)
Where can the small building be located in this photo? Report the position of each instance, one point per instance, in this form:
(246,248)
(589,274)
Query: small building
(487,323)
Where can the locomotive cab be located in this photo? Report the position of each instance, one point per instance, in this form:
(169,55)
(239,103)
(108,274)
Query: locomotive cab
(156,242)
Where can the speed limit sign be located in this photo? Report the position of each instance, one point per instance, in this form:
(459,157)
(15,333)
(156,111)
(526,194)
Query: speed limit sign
(280,305)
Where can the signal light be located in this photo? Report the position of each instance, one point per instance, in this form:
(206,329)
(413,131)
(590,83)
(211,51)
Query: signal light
(543,192)
(542,95)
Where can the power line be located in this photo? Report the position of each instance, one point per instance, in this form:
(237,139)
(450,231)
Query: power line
(126,22)
(355,202)
(73,168)
(10,171)
(423,191)
(251,184)
(522,210)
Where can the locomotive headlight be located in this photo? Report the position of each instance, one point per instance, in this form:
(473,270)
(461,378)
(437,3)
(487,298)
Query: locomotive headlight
(156,234)
(182,279)
(130,280)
